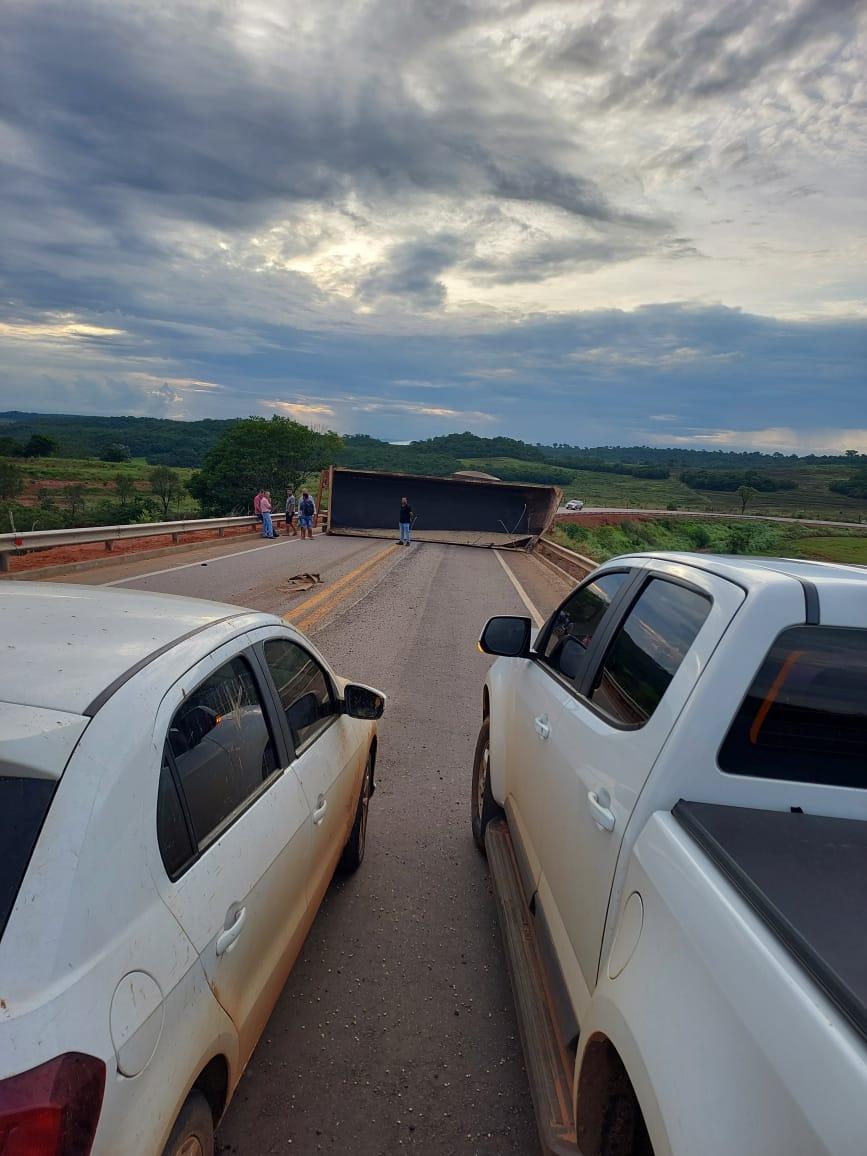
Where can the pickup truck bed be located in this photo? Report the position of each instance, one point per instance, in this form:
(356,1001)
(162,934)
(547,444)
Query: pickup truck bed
(805,876)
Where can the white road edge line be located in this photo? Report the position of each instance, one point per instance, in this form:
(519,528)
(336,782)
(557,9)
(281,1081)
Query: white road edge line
(189,565)
(522,593)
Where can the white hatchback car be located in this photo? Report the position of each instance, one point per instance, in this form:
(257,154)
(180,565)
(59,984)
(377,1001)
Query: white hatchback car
(178,782)
(574,504)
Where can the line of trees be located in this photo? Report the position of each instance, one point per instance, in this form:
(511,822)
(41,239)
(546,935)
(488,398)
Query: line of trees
(732,481)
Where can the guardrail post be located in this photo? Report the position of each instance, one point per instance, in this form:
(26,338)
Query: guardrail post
(4,563)
(176,538)
(221,533)
(109,544)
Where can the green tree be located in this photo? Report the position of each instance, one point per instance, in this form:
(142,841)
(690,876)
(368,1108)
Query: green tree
(116,452)
(745,493)
(39,446)
(166,486)
(125,486)
(260,454)
(9,448)
(74,497)
(11,481)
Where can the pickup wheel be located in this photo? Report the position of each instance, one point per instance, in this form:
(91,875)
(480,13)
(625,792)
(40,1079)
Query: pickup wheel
(353,852)
(483,806)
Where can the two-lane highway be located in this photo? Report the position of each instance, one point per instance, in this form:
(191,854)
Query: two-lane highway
(396,1031)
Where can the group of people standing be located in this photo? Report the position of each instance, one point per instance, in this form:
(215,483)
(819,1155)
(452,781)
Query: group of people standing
(304,511)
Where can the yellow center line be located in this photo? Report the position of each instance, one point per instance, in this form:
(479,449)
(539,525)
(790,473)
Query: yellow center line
(313,609)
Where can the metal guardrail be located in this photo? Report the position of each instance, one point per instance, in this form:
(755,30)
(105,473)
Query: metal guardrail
(45,539)
(566,562)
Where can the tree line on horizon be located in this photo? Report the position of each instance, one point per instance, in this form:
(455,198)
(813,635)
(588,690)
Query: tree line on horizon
(164,441)
(237,457)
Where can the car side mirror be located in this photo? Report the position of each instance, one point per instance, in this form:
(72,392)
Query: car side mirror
(363,701)
(506,635)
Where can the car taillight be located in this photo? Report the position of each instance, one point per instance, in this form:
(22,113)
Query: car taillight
(52,1110)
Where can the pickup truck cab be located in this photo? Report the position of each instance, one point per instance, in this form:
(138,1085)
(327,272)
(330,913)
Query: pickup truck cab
(670,784)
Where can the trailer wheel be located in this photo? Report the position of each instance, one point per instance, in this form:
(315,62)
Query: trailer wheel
(483,806)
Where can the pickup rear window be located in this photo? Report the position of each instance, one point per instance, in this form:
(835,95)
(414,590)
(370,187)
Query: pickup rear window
(24,804)
(805,716)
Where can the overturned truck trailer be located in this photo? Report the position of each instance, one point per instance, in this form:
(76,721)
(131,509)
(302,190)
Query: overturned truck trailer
(462,511)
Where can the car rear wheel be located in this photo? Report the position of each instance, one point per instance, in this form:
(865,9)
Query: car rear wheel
(483,806)
(193,1133)
(353,852)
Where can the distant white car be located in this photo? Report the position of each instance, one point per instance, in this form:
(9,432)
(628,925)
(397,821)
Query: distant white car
(178,782)
(574,504)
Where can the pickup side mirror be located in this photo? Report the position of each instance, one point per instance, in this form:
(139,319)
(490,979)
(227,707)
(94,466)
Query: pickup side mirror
(507,636)
(363,701)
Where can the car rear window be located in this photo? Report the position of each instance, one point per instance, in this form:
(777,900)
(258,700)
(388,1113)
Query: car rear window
(805,716)
(24,804)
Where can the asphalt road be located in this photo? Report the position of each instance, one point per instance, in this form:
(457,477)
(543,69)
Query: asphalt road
(396,1030)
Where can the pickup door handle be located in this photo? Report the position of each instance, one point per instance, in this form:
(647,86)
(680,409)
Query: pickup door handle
(226,938)
(320,809)
(542,726)
(602,814)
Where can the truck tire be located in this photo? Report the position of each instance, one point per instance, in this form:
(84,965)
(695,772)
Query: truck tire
(483,806)
(353,852)
(193,1133)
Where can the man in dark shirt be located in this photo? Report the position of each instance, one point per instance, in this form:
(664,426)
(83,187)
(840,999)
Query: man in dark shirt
(405,521)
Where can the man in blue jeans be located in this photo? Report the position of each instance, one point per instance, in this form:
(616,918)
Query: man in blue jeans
(405,521)
(265,510)
(306,515)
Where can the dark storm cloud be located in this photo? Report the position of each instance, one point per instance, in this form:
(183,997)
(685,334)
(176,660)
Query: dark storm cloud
(173,109)
(410,272)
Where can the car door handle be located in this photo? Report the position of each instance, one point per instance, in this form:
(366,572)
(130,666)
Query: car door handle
(602,814)
(320,809)
(226,938)
(543,729)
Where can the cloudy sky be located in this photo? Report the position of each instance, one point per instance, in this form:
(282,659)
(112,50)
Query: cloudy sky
(593,221)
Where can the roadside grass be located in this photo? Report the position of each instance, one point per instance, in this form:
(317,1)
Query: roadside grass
(811,499)
(834,548)
(755,539)
(89,472)
(45,507)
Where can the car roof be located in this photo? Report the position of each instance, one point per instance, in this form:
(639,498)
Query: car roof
(64,646)
(744,569)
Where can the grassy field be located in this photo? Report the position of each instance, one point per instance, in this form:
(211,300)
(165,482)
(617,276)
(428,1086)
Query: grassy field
(811,499)
(766,539)
(45,479)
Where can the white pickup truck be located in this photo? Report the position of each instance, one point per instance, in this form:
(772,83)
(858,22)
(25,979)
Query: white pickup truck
(670,784)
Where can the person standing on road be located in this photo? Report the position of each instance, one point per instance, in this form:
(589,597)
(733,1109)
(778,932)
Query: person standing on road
(265,510)
(290,513)
(405,521)
(257,504)
(306,514)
